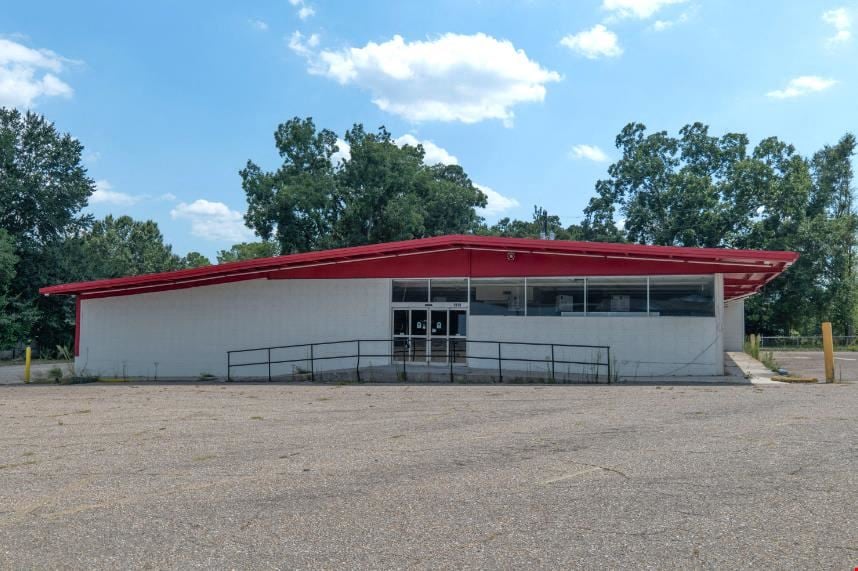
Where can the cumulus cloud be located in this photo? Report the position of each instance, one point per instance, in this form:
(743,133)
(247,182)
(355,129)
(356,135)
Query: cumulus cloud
(588,152)
(213,220)
(433,153)
(303,45)
(304,9)
(802,85)
(104,194)
(841,21)
(28,74)
(641,9)
(466,78)
(496,203)
(594,43)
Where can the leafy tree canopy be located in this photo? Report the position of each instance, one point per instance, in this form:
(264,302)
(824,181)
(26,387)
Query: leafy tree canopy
(195,260)
(701,190)
(116,247)
(247,251)
(383,192)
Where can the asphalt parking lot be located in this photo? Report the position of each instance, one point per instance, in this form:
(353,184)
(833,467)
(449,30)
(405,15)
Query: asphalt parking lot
(811,364)
(362,476)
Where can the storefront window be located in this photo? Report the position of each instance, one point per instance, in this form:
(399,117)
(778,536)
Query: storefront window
(416,291)
(449,291)
(682,295)
(555,296)
(609,296)
(497,297)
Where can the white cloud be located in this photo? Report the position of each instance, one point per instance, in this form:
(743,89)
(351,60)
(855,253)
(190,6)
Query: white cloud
(841,20)
(802,85)
(303,45)
(594,43)
(27,74)
(433,153)
(212,220)
(344,153)
(641,9)
(467,78)
(589,152)
(260,25)
(662,25)
(104,194)
(304,9)
(496,203)
(168,197)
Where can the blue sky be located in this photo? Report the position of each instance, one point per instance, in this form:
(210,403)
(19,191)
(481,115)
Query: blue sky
(172,98)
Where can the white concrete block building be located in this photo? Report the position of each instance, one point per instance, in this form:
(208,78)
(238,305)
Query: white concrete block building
(451,302)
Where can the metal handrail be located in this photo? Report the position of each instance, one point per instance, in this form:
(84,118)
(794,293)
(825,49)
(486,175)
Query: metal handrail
(400,357)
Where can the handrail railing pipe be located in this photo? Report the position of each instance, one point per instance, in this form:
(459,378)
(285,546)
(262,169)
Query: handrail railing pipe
(409,352)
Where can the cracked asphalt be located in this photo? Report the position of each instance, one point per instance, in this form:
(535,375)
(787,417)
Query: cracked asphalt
(222,476)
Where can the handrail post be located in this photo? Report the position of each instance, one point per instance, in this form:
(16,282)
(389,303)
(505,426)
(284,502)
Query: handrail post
(269,364)
(500,361)
(553,379)
(312,365)
(451,350)
(357,365)
(228,365)
(609,364)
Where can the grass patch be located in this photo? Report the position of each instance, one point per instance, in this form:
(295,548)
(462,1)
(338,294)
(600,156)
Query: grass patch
(790,379)
(767,358)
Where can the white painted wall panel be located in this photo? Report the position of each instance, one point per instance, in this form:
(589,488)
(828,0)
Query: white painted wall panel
(641,346)
(734,325)
(185,333)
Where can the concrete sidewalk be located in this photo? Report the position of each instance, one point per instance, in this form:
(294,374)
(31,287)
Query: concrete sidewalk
(739,364)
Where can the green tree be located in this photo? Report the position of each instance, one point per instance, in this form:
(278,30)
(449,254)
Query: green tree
(700,190)
(383,192)
(117,247)
(195,260)
(247,251)
(9,332)
(43,187)
(541,223)
(296,204)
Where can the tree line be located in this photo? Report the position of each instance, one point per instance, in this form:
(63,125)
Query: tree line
(693,189)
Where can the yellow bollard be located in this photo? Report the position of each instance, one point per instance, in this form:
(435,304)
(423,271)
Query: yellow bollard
(828,351)
(27,365)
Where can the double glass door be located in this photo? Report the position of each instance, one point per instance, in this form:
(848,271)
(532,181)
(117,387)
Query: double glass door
(429,335)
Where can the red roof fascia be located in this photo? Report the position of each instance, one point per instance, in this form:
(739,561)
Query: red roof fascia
(759,261)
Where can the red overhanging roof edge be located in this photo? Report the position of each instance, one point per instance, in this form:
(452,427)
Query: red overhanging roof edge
(771,262)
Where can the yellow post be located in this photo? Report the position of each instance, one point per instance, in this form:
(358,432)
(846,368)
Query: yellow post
(828,350)
(27,365)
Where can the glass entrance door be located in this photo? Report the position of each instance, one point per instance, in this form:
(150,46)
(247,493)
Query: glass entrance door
(429,335)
